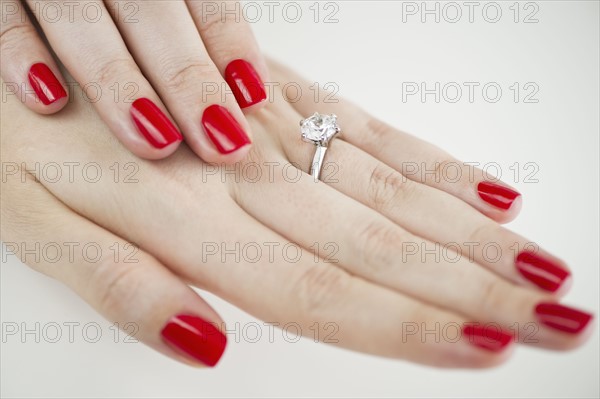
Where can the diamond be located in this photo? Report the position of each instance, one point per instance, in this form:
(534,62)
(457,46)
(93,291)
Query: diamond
(319,129)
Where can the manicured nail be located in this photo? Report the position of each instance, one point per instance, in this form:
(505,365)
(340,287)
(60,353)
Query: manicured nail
(195,337)
(223,130)
(45,84)
(541,271)
(487,337)
(246,85)
(153,124)
(497,195)
(562,317)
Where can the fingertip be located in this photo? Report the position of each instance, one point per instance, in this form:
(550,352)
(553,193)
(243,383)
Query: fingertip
(255,107)
(245,83)
(49,109)
(500,203)
(564,288)
(513,211)
(154,154)
(195,340)
(466,354)
(46,84)
(215,157)
(485,346)
(486,359)
(161,137)
(230,139)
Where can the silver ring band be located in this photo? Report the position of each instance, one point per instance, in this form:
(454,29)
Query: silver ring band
(319,130)
(317,163)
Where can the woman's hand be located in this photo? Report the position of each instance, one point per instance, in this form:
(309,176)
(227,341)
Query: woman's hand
(398,264)
(128,56)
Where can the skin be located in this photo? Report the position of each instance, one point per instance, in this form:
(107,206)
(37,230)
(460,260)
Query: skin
(370,288)
(115,51)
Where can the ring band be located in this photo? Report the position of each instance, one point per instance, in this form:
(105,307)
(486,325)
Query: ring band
(319,130)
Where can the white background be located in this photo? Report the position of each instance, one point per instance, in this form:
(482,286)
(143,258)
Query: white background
(369,53)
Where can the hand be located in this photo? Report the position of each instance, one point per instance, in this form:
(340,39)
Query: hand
(129,56)
(230,231)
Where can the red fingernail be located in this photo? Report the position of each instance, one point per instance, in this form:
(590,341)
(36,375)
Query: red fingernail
(487,337)
(562,317)
(497,195)
(543,272)
(45,84)
(153,124)
(197,338)
(223,130)
(246,85)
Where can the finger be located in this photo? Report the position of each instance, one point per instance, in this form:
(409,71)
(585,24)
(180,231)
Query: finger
(233,48)
(376,249)
(94,53)
(126,285)
(416,159)
(174,59)
(28,70)
(435,215)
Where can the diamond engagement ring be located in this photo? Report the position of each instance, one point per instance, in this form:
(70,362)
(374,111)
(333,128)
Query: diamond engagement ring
(319,130)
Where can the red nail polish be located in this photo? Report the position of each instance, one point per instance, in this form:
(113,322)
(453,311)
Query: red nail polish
(541,271)
(153,124)
(45,84)
(562,317)
(491,338)
(497,195)
(223,130)
(197,338)
(246,85)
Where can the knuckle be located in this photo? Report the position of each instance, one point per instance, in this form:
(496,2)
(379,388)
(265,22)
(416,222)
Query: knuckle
(14,35)
(257,155)
(319,287)
(376,241)
(494,293)
(446,170)
(177,74)
(212,25)
(115,285)
(483,232)
(386,187)
(107,71)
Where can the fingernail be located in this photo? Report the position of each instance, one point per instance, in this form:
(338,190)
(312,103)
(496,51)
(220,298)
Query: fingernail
(562,317)
(541,271)
(45,84)
(153,124)
(246,85)
(223,130)
(487,337)
(497,195)
(195,337)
